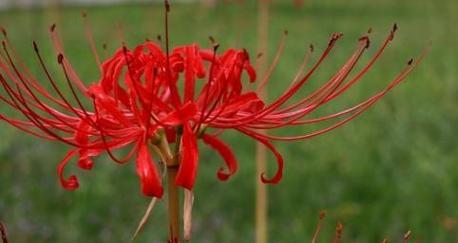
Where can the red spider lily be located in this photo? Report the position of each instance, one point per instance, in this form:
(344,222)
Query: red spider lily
(146,94)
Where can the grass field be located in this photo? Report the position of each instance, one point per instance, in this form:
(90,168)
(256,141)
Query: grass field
(393,169)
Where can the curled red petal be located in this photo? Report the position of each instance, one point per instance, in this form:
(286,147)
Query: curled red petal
(70,183)
(279,174)
(149,177)
(251,72)
(189,159)
(84,162)
(82,138)
(226,153)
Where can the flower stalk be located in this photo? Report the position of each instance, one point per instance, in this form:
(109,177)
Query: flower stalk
(173,204)
(261,202)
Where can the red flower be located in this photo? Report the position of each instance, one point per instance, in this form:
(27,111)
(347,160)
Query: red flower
(149,97)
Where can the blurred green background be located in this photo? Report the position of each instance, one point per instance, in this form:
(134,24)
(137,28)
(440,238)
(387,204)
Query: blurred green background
(393,169)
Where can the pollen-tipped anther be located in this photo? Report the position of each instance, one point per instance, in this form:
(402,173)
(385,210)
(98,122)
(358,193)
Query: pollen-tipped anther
(52,28)
(4,33)
(334,38)
(167,5)
(366,40)
(60,58)
(214,43)
(393,31)
(35,46)
(410,61)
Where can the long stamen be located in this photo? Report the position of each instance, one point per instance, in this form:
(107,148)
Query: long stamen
(105,142)
(71,72)
(54,85)
(172,86)
(378,96)
(209,84)
(290,92)
(270,70)
(30,93)
(90,38)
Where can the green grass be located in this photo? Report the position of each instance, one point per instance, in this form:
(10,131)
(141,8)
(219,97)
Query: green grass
(393,169)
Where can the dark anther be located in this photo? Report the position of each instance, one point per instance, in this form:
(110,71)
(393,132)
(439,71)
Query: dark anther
(4,32)
(159,38)
(214,43)
(245,53)
(311,47)
(334,38)
(410,62)
(84,14)
(53,27)
(60,58)
(167,5)
(365,39)
(285,32)
(369,30)
(393,30)
(35,46)
(395,27)
(104,46)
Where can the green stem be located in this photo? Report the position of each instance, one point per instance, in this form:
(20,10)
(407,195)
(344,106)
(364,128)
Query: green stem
(173,203)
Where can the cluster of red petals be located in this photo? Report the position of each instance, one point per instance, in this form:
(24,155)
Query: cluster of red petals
(146,92)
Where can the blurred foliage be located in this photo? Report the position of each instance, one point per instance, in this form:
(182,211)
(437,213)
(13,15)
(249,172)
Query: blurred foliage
(395,168)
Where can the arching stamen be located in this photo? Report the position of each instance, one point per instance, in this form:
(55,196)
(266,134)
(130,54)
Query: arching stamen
(90,38)
(71,72)
(287,95)
(267,75)
(210,81)
(172,86)
(54,84)
(374,99)
(30,93)
(105,142)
